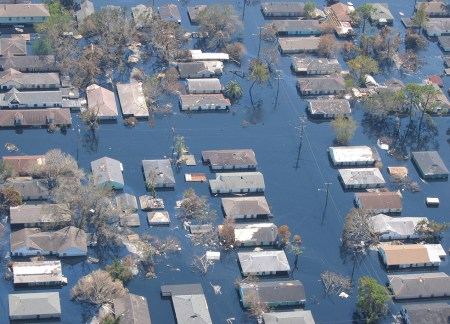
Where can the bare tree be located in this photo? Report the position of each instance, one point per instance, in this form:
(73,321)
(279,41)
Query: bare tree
(201,264)
(335,283)
(257,307)
(358,232)
(226,233)
(196,208)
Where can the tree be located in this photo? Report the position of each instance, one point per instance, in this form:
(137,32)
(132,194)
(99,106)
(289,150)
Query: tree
(97,288)
(310,10)
(221,23)
(284,234)
(259,74)
(431,229)
(358,231)
(119,271)
(9,197)
(151,181)
(269,33)
(233,91)
(201,264)
(196,208)
(344,128)
(236,50)
(6,170)
(90,118)
(362,65)
(372,299)
(328,46)
(334,283)
(227,236)
(364,12)
(257,307)
(383,103)
(385,45)
(179,149)
(420,18)
(414,42)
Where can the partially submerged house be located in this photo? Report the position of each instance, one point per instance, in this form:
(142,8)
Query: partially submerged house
(437,27)
(12,78)
(38,273)
(230,159)
(189,303)
(194,11)
(32,306)
(50,215)
(198,55)
(86,9)
(102,102)
(257,234)
(23,13)
(142,15)
(22,165)
(12,46)
(158,218)
(283,9)
(30,63)
(67,242)
(288,317)
(379,202)
(204,102)
(264,263)
(297,27)
(430,165)
(35,117)
(132,309)
(329,108)
(435,8)
(362,178)
(132,100)
(130,220)
(411,255)
(108,172)
(354,155)
(202,86)
(436,313)
(420,285)
(238,182)
(162,169)
(342,12)
(246,207)
(15,99)
(396,228)
(29,188)
(169,12)
(322,85)
(273,293)
(296,45)
(126,201)
(315,65)
(381,16)
(200,69)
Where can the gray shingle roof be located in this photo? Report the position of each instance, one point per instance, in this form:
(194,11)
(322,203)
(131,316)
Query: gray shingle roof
(43,303)
(164,169)
(381,12)
(304,64)
(29,79)
(107,170)
(30,62)
(11,46)
(430,162)
(415,285)
(290,317)
(325,83)
(40,98)
(102,100)
(229,157)
(255,233)
(283,8)
(195,100)
(264,261)
(132,99)
(237,180)
(275,291)
(30,189)
(24,10)
(436,313)
(401,225)
(212,84)
(30,214)
(299,44)
(132,309)
(296,25)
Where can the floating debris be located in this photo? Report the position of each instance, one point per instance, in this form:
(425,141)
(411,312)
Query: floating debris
(93,260)
(217,289)
(11,147)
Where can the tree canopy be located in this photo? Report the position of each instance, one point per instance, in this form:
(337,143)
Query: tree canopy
(372,299)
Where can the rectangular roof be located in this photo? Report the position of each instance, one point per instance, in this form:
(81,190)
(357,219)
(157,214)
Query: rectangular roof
(275,291)
(162,167)
(304,64)
(415,285)
(289,317)
(430,162)
(211,84)
(35,117)
(238,157)
(255,233)
(198,55)
(436,313)
(322,83)
(132,309)
(24,10)
(132,99)
(28,79)
(12,46)
(194,100)
(401,225)
(23,163)
(37,272)
(299,43)
(194,11)
(353,154)
(362,176)
(381,12)
(342,11)
(236,180)
(264,261)
(106,169)
(434,7)
(34,304)
(379,200)
(169,12)
(102,100)
(296,25)
(283,8)
(31,62)
(405,254)
(330,106)
(245,206)
(40,98)
(30,214)
(29,188)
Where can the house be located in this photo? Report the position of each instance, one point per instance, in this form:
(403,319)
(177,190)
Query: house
(396,228)
(273,293)
(435,79)
(198,55)
(354,155)
(379,202)
(12,46)
(132,100)
(44,305)
(381,15)
(200,69)
(102,101)
(363,178)
(230,159)
(30,63)
(23,164)
(170,12)
(435,8)
(23,13)
(289,317)
(201,229)
(193,12)
(108,172)
(392,85)
(283,9)
(158,218)
(29,188)
(238,182)
(315,65)
(321,85)
(436,313)
(411,255)
(441,102)
(329,108)
(142,15)
(126,202)
(204,102)
(35,117)
(246,207)
(264,263)
(39,216)
(202,86)
(38,273)
(420,285)
(164,174)
(30,99)
(430,165)
(86,9)
(342,12)
(67,242)
(150,203)
(295,45)
(437,27)
(132,309)
(297,27)
(11,78)
(189,303)
(258,234)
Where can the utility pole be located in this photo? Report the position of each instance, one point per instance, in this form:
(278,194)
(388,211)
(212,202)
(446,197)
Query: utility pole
(302,130)
(78,140)
(259,43)
(327,187)
(278,78)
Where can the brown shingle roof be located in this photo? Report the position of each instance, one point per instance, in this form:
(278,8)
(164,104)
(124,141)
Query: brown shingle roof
(405,254)
(35,117)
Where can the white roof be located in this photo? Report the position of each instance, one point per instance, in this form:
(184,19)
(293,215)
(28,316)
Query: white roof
(435,252)
(352,154)
(199,55)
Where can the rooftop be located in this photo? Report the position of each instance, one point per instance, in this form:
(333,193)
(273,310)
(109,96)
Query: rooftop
(264,261)
(245,206)
(274,292)
(132,99)
(236,180)
(32,304)
(106,170)
(361,176)
(430,163)
(132,309)
(245,157)
(353,154)
(330,106)
(379,200)
(102,101)
(35,117)
(414,285)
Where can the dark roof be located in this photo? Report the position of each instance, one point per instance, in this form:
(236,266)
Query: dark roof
(31,62)
(164,169)
(416,285)
(132,309)
(438,313)
(444,41)
(325,83)
(275,291)
(30,189)
(430,163)
(35,117)
(190,68)
(236,157)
